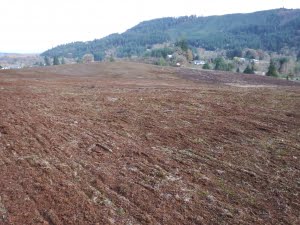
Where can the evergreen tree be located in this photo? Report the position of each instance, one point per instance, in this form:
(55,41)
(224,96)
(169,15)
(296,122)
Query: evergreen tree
(234,53)
(63,61)
(47,61)
(206,66)
(99,56)
(272,70)
(197,57)
(249,70)
(56,60)
(283,64)
(111,58)
(182,44)
(250,54)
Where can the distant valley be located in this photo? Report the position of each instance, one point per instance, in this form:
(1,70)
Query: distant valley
(17,61)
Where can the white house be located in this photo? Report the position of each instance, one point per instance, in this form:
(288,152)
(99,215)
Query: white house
(238,59)
(254,60)
(199,62)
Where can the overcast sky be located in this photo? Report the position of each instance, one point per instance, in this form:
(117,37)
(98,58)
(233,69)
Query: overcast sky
(33,26)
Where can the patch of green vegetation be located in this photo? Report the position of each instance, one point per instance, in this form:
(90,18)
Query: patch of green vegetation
(228,191)
(249,70)
(120,211)
(203,193)
(160,52)
(221,64)
(206,66)
(161,62)
(272,71)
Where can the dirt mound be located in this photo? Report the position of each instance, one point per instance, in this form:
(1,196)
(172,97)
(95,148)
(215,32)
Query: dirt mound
(124,143)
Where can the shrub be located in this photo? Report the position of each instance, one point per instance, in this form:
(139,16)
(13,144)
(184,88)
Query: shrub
(162,62)
(206,66)
(221,64)
(249,70)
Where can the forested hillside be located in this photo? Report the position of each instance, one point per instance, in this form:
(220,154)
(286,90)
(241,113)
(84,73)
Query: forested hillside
(269,30)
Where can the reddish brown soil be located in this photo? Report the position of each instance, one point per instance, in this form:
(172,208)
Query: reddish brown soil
(124,143)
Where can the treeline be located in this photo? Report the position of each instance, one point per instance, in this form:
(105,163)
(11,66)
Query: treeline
(269,30)
(123,45)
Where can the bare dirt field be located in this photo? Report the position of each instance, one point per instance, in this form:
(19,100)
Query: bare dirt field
(128,143)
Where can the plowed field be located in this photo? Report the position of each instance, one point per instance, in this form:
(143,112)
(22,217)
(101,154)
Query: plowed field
(128,143)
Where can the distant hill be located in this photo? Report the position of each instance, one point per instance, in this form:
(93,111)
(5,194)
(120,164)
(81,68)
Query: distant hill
(269,30)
